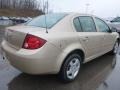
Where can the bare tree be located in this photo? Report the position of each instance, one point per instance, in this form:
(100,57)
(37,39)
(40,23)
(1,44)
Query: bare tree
(21,4)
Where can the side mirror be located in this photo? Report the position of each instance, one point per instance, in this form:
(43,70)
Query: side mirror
(110,31)
(111,21)
(113,29)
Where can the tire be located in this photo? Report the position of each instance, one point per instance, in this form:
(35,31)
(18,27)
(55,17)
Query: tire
(70,68)
(115,48)
(113,64)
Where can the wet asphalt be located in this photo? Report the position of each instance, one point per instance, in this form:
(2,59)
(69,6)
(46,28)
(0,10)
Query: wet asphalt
(113,80)
(98,74)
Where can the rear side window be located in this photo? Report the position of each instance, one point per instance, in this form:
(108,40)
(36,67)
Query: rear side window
(77,25)
(51,20)
(103,27)
(87,24)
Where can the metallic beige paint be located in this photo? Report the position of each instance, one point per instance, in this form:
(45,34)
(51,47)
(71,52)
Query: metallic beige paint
(62,39)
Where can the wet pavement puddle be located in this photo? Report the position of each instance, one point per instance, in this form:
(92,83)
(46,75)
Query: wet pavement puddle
(91,76)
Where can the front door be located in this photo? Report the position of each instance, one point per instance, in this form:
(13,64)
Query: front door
(109,37)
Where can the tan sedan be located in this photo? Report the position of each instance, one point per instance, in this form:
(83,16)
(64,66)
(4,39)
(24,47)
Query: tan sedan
(58,43)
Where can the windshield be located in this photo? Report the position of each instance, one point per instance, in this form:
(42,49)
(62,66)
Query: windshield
(46,21)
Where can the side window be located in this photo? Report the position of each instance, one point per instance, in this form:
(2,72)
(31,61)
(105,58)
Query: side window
(87,24)
(103,27)
(77,25)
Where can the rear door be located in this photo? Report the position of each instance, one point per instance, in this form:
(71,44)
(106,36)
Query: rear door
(88,36)
(109,38)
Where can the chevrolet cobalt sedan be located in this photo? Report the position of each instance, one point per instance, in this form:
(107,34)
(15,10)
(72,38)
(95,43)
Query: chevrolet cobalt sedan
(58,43)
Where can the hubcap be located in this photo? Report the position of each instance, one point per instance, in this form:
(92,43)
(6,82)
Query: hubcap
(73,68)
(116,47)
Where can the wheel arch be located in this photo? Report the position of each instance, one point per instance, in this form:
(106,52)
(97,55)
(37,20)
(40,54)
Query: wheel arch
(118,39)
(78,51)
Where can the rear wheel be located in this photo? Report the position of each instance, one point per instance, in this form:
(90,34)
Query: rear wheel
(70,68)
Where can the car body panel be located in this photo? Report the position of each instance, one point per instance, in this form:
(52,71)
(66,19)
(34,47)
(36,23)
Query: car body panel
(32,61)
(62,39)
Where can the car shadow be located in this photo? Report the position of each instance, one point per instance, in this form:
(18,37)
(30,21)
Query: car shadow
(91,76)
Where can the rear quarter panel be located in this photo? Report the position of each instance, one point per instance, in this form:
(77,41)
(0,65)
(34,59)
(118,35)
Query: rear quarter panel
(66,42)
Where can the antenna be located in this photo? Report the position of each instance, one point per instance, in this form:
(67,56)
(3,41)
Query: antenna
(46,12)
(46,23)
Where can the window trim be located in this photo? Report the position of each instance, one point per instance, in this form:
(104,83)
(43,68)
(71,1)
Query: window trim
(79,23)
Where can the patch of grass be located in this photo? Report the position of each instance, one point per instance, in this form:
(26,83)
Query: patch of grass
(2,27)
(2,30)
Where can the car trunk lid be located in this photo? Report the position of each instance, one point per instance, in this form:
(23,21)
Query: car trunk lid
(15,35)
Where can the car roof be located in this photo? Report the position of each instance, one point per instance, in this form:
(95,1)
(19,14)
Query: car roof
(82,14)
(72,13)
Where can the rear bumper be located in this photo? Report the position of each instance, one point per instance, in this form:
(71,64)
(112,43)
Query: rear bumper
(32,62)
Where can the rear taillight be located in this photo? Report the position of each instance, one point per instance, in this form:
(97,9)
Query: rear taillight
(33,42)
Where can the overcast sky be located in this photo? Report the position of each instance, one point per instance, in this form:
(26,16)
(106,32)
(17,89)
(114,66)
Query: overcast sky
(101,8)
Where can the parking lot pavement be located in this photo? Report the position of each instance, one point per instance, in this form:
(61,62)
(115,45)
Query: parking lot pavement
(91,76)
(113,80)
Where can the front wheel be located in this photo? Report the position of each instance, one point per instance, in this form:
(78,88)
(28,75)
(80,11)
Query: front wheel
(115,48)
(70,68)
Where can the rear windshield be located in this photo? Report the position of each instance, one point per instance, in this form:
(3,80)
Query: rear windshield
(48,20)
